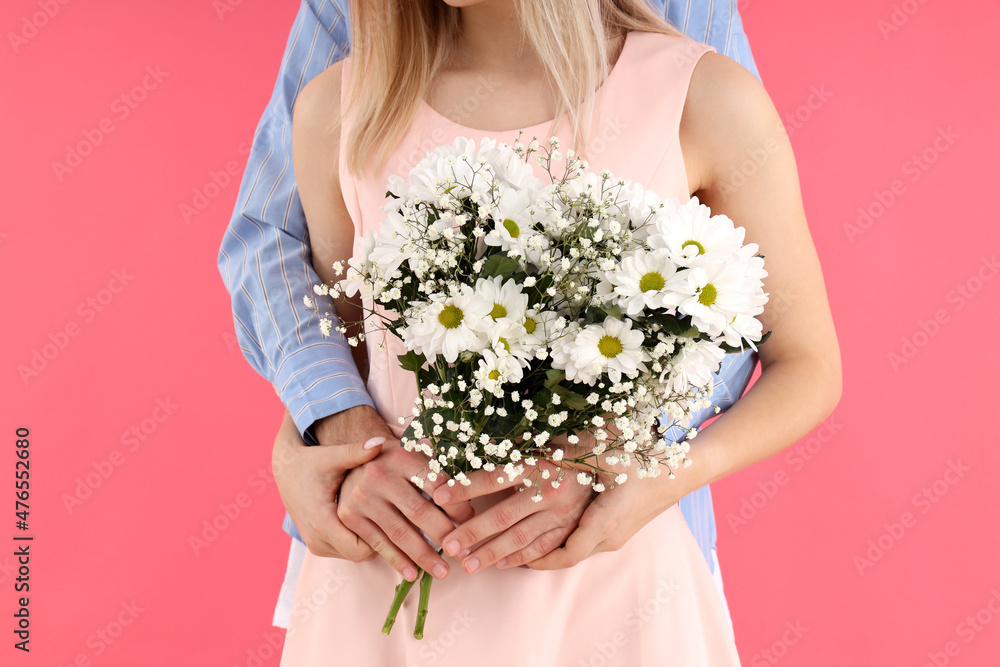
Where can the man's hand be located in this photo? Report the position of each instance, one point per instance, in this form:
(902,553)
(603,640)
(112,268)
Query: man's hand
(308,479)
(385,509)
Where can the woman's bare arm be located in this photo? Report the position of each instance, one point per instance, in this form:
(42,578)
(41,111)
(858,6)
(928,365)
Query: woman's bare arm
(314,154)
(727,117)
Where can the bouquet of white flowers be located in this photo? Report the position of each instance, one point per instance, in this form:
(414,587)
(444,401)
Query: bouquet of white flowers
(533,311)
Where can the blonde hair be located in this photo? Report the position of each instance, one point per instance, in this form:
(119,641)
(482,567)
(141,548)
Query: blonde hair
(398,46)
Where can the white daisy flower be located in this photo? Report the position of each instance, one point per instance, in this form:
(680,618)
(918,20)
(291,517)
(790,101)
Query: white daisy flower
(714,294)
(540,326)
(691,231)
(446,325)
(494,371)
(611,347)
(640,281)
(694,365)
(506,301)
(359,266)
(514,229)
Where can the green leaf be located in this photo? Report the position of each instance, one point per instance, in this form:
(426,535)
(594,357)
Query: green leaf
(411,361)
(554,377)
(570,399)
(500,265)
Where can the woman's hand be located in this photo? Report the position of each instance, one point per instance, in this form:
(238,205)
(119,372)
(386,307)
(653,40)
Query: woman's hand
(612,519)
(517,529)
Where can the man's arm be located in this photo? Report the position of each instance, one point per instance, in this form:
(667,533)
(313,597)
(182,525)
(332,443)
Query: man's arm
(713,22)
(265,256)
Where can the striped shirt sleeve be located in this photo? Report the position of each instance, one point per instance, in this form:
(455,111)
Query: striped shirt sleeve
(265,260)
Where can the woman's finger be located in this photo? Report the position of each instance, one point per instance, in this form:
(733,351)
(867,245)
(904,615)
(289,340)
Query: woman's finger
(584,542)
(519,537)
(482,484)
(543,545)
(491,521)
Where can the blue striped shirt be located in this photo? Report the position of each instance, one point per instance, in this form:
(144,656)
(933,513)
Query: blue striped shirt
(265,259)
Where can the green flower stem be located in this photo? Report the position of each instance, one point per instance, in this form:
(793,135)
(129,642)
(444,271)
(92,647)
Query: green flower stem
(425,594)
(402,590)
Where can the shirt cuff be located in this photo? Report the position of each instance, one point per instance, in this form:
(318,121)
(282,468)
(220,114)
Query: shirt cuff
(291,529)
(318,380)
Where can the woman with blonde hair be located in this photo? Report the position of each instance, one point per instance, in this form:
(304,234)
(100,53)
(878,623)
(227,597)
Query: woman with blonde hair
(616,579)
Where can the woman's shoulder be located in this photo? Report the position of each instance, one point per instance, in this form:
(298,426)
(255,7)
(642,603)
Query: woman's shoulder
(321,96)
(727,112)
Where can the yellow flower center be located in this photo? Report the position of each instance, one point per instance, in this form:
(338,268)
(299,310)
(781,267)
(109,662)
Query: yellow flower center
(511,228)
(494,374)
(651,282)
(609,346)
(503,341)
(450,317)
(498,311)
(708,295)
(701,248)
(529,325)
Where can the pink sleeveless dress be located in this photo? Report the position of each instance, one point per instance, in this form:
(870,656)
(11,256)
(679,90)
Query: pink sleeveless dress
(654,601)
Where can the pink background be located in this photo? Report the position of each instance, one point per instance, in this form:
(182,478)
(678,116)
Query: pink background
(159,333)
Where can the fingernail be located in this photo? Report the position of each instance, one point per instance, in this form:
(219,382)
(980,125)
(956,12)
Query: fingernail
(471,565)
(440,571)
(442,496)
(464,553)
(502,562)
(373,443)
(409,573)
(452,546)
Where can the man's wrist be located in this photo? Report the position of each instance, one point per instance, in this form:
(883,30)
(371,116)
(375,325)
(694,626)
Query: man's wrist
(354,424)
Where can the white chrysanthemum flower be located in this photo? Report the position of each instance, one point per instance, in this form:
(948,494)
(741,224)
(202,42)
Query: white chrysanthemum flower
(694,365)
(539,327)
(611,347)
(359,266)
(639,206)
(743,330)
(691,231)
(494,371)
(714,294)
(506,301)
(514,229)
(640,281)
(508,338)
(446,325)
